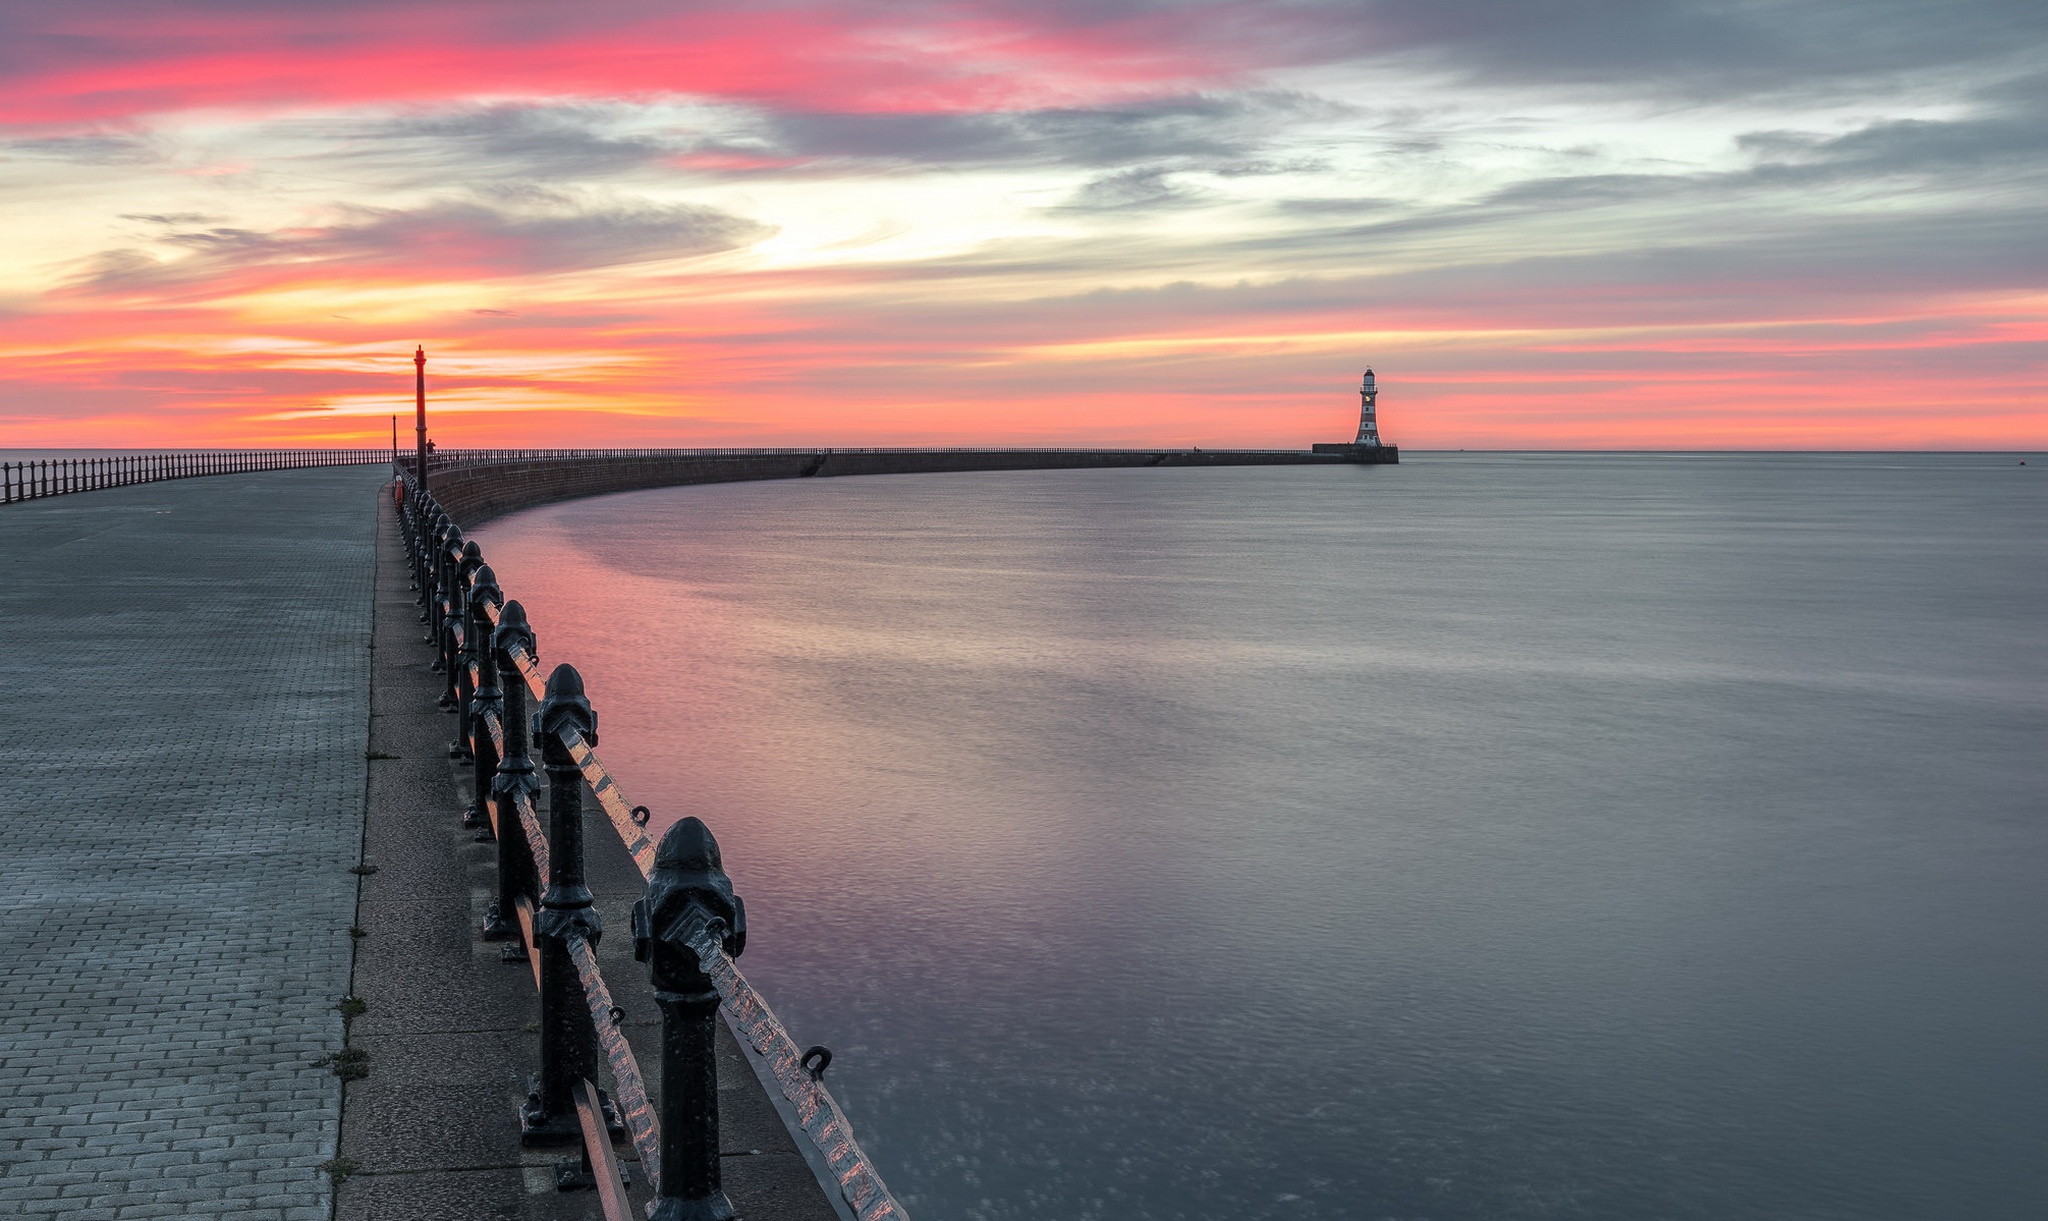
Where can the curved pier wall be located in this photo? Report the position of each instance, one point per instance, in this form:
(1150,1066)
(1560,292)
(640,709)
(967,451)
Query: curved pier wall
(475,493)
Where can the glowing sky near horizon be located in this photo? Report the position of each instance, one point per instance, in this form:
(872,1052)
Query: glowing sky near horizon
(1551,224)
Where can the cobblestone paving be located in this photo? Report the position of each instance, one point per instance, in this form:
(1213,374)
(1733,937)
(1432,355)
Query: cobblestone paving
(185,670)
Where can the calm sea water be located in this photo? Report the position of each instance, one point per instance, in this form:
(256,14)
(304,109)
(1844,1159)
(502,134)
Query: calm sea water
(1490,836)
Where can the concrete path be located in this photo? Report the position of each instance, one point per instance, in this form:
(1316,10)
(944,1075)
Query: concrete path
(185,672)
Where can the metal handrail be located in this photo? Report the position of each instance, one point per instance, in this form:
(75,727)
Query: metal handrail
(816,1110)
(39,478)
(747,1013)
(622,813)
(634,1108)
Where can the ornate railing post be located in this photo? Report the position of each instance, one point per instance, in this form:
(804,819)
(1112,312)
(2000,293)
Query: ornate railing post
(687,892)
(445,561)
(455,645)
(482,599)
(489,699)
(515,779)
(436,532)
(423,532)
(568,1040)
(438,527)
(409,527)
(427,535)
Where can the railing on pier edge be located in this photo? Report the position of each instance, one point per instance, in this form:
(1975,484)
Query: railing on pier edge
(688,927)
(35,478)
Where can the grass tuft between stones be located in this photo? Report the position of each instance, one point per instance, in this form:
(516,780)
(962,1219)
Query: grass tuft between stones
(349,1064)
(340,1168)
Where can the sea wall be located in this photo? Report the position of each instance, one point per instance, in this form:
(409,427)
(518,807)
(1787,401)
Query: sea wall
(474,493)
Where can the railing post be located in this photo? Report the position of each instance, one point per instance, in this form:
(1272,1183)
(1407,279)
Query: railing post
(452,556)
(454,615)
(479,592)
(430,569)
(409,529)
(425,517)
(438,527)
(489,698)
(568,1040)
(515,778)
(687,892)
(447,552)
(416,533)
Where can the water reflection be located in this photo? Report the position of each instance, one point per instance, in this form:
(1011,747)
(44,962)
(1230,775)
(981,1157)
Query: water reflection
(1482,837)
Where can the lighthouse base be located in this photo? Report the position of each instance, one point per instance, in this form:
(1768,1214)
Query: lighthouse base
(1365,455)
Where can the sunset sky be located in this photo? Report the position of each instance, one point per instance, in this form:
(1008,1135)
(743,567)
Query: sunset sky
(1549,224)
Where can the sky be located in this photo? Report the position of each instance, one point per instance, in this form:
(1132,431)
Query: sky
(1557,224)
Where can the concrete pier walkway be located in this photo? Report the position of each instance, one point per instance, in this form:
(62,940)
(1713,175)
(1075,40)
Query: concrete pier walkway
(185,668)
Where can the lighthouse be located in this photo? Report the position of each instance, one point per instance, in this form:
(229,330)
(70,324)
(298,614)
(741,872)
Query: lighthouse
(1367,449)
(1368,404)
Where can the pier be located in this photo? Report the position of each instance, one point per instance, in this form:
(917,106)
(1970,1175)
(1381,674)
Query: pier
(260,951)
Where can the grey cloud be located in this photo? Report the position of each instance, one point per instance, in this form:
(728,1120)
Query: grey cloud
(83,150)
(1833,266)
(1590,189)
(2006,148)
(1908,146)
(171,218)
(560,141)
(505,144)
(1143,187)
(1260,169)
(464,238)
(1688,46)
(1228,129)
(556,140)
(1334,207)
(2009,149)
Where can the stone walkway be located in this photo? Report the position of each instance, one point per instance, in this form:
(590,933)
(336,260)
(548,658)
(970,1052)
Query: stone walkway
(185,670)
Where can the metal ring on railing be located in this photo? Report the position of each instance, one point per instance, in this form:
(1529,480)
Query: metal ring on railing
(820,1053)
(641,814)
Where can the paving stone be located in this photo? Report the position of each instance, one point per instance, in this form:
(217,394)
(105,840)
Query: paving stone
(187,671)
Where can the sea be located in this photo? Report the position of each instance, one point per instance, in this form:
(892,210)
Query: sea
(1490,836)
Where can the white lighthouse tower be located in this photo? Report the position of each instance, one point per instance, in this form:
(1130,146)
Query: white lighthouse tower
(1368,404)
(1368,449)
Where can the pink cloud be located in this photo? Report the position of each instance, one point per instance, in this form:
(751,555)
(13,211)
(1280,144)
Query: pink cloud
(99,61)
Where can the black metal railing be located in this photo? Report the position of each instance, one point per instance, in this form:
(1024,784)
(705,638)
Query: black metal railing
(35,478)
(689,926)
